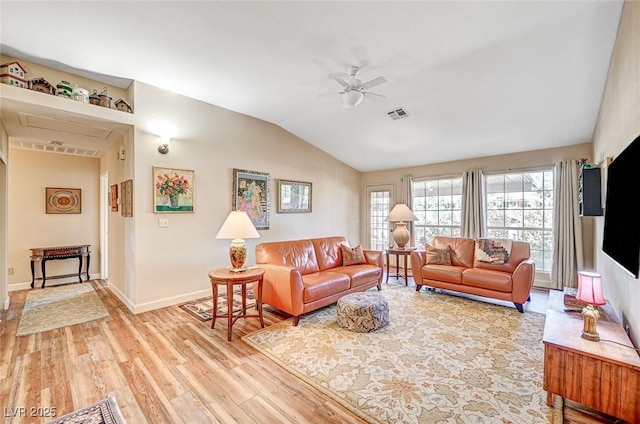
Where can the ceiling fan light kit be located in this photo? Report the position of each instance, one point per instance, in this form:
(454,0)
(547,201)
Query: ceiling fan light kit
(352,98)
(354,90)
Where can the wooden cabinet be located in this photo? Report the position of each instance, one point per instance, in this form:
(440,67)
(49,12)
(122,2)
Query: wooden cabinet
(604,375)
(589,192)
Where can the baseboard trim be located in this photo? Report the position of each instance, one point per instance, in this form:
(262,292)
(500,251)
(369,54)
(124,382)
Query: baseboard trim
(170,301)
(121,296)
(51,282)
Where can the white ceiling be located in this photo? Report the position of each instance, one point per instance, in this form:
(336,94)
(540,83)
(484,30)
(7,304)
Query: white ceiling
(478,78)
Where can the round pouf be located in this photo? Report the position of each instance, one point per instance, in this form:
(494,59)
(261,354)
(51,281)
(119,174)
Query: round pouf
(363,312)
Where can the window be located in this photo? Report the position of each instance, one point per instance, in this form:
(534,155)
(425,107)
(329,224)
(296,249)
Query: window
(520,207)
(438,206)
(379,207)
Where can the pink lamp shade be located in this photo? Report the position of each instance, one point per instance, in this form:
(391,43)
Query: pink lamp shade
(590,288)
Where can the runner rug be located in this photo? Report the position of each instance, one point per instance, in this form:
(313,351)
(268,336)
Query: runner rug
(203,308)
(60,306)
(441,359)
(104,412)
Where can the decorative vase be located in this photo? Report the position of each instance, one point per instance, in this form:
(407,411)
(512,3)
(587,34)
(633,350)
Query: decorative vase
(173,199)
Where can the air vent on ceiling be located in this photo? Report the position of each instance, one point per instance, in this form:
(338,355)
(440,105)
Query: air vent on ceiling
(54,147)
(398,113)
(45,123)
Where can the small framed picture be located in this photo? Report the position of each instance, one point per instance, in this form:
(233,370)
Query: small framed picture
(113,198)
(126,189)
(251,194)
(294,196)
(63,200)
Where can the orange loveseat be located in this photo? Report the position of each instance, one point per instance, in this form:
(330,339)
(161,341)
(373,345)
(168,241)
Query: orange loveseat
(304,275)
(511,281)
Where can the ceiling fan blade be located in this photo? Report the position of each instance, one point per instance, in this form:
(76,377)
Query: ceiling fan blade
(374,95)
(374,83)
(339,79)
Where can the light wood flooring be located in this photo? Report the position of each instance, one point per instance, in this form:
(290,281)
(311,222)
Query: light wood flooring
(162,366)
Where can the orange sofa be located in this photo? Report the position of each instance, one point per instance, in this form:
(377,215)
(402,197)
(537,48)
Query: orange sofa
(511,281)
(304,275)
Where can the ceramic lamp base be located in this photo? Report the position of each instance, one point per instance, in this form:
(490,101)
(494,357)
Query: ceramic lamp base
(401,235)
(238,254)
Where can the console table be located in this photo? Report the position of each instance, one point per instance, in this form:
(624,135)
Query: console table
(44,254)
(603,375)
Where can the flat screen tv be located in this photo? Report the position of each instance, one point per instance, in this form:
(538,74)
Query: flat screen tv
(621,236)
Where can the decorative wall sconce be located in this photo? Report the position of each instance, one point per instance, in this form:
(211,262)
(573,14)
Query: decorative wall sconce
(164,144)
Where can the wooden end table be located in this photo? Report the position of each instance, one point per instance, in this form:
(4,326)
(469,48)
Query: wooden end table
(603,375)
(230,279)
(399,252)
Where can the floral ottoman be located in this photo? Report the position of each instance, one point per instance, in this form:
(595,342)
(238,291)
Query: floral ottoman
(363,312)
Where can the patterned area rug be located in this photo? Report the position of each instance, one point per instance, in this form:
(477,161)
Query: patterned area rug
(103,412)
(60,306)
(441,359)
(203,308)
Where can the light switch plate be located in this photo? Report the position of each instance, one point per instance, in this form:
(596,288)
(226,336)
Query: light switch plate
(163,222)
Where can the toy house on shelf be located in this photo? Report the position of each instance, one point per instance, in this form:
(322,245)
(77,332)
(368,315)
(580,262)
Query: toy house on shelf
(13,73)
(123,106)
(42,85)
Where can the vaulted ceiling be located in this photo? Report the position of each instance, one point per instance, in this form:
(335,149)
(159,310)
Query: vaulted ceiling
(477,78)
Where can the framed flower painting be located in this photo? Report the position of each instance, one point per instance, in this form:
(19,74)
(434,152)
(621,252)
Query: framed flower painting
(173,190)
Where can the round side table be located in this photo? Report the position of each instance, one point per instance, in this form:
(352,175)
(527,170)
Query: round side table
(405,253)
(225,277)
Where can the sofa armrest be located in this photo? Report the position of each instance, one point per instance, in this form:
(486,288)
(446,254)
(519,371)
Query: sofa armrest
(283,288)
(374,257)
(418,260)
(522,278)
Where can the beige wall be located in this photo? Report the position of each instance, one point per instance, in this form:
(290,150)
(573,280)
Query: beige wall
(150,266)
(618,126)
(29,226)
(4,245)
(492,163)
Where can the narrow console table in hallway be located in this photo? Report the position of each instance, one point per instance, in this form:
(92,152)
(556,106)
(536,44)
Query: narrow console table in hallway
(44,254)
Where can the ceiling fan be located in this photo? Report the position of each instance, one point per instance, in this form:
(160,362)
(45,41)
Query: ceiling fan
(354,90)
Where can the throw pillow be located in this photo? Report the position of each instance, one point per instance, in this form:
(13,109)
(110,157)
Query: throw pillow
(352,255)
(438,256)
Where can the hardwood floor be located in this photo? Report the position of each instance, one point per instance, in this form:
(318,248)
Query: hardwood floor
(162,366)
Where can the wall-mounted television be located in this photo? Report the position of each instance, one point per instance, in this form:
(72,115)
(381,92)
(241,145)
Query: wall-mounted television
(621,236)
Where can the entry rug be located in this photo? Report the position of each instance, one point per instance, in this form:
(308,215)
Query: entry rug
(203,308)
(60,306)
(441,359)
(104,412)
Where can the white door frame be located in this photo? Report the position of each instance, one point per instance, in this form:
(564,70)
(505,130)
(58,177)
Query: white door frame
(104,225)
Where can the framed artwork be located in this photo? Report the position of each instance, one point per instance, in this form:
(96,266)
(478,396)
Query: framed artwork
(251,194)
(63,200)
(113,197)
(126,189)
(174,190)
(294,196)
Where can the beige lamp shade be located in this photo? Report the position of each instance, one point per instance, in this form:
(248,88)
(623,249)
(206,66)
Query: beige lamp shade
(237,226)
(399,214)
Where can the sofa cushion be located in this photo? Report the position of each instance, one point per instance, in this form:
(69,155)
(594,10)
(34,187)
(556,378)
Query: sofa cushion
(352,255)
(462,249)
(319,285)
(360,274)
(328,252)
(299,254)
(487,279)
(447,273)
(437,256)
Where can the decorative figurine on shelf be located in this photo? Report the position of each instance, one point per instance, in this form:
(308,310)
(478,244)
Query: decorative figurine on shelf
(584,163)
(80,94)
(94,99)
(120,104)
(42,85)
(65,89)
(105,100)
(13,73)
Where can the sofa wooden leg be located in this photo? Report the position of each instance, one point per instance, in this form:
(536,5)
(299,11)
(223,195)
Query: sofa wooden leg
(296,320)
(519,307)
(379,287)
(418,287)
(529,299)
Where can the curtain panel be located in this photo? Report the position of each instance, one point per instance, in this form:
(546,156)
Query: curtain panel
(406,197)
(568,255)
(473,210)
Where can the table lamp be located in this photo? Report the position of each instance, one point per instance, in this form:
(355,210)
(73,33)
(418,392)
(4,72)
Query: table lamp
(590,292)
(399,214)
(237,226)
